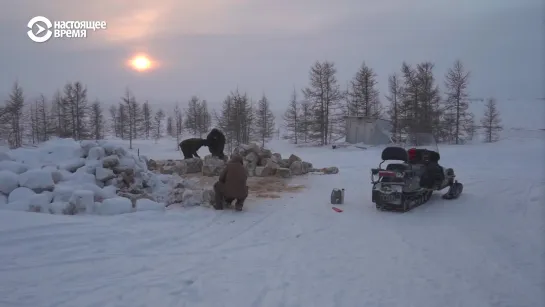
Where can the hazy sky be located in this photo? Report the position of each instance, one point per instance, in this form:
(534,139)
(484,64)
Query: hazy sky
(210,47)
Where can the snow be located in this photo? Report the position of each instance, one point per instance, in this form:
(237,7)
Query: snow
(9,181)
(37,179)
(484,249)
(13,166)
(144,204)
(113,206)
(83,200)
(96,153)
(20,193)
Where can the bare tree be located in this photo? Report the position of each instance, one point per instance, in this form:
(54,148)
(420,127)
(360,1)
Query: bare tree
(77,98)
(363,95)
(264,123)
(410,106)
(170,126)
(179,123)
(53,118)
(43,118)
(236,119)
(146,119)
(122,120)
(305,121)
(394,109)
(113,120)
(430,99)
(457,102)
(324,94)
(158,125)
(61,113)
(290,117)
(420,107)
(32,124)
(192,115)
(470,126)
(14,116)
(225,122)
(129,101)
(205,119)
(38,120)
(491,121)
(97,120)
(69,112)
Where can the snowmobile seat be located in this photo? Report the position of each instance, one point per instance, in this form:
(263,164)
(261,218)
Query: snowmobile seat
(394,153)
(400,167)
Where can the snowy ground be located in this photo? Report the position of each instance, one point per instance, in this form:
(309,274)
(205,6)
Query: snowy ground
(484,249)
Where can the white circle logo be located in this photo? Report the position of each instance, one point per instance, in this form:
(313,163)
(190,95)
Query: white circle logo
(34,36)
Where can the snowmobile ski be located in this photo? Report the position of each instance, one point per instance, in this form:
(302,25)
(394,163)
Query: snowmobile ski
(454,191)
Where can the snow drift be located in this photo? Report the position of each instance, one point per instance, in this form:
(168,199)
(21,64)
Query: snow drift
(63,176)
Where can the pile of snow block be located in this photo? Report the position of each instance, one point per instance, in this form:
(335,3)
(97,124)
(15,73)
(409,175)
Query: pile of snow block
(258,161)
(63,176)
(261,162)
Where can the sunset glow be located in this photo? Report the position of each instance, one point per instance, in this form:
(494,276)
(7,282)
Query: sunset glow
(140,63)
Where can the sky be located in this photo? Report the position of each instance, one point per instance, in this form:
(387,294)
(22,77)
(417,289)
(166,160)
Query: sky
(209,48)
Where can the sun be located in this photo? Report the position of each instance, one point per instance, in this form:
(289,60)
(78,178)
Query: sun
(140,63)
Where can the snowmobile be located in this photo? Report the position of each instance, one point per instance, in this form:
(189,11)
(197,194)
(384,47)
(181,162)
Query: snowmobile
(404,186)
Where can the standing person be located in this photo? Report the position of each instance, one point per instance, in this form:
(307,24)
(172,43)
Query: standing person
(231,184)
(216,143)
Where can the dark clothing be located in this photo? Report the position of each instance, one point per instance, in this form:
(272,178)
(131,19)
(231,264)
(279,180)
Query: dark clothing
(232,184)
(433,175)
(190,147)
(216,143)
(221,199)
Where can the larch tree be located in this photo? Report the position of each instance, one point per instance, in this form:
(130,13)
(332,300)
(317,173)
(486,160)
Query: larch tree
(290,117)
(205,119)
(170,126)
(264,120)
(363,95)
(178,124)
(457,99)
(470,126)
(131,107)
(14,116)
(77,99)
(491,121)
(193,116)
(113,120)
(122,121)
(429,99)
(394,108)
(147,120)
(97,121)
(158,124)
(42,118)
(236,119)
(324,94)
(305,121)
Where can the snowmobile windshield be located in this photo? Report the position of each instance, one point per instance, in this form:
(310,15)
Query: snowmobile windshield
(422,141)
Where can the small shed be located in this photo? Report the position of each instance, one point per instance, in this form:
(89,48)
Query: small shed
(368,130)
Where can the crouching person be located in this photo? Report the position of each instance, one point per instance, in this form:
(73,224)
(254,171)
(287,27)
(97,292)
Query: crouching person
(231,185)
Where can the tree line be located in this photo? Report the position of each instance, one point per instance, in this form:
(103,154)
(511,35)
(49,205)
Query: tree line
(70,114)
(414,103)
